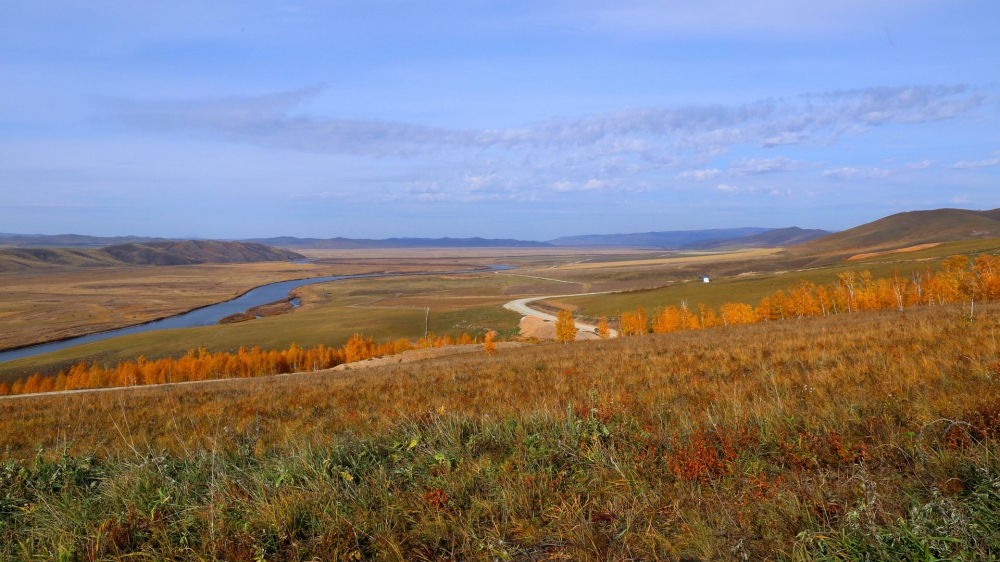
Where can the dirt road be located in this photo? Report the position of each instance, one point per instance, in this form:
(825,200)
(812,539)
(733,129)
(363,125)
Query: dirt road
(521,306)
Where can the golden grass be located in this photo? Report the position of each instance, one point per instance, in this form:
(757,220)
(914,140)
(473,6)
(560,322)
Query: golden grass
(684,258)
(840,437)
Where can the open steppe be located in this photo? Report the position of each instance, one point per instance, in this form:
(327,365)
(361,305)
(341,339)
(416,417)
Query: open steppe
(864,436)
(55,304)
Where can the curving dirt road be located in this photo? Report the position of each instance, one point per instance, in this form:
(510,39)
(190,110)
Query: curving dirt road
(521,307)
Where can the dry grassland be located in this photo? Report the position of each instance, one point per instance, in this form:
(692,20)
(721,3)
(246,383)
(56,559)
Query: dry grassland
(683,258)
(52,305)
(871,436)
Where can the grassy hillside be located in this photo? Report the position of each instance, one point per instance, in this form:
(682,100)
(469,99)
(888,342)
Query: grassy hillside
(871,436)
(186,252)
(771,239)
(908,229)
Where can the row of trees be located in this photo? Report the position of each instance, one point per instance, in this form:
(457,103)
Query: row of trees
(958,281)
(200,365)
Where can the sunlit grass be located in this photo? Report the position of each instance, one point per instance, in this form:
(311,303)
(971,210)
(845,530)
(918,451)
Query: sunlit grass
(873,434)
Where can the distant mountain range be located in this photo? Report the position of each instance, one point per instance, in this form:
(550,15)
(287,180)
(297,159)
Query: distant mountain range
(674,239)
(895,231)
(696,239)
(779,237)
(363,243)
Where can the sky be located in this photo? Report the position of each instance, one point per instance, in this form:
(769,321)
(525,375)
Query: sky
(528,120)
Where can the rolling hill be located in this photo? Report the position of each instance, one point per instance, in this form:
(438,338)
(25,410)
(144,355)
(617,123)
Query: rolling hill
(908,229)
(185,252)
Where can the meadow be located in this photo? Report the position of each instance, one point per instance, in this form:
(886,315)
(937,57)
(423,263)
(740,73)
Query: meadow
(864,436)
(56,304)
(383,308)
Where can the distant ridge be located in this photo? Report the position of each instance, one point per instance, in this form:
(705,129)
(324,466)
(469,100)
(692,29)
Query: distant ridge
(363,243)
(673,240)
(908,229)
(185,252)
(197,251)
(779,237)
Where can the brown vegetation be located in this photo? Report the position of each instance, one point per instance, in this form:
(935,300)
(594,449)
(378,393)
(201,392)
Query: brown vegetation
(861,436)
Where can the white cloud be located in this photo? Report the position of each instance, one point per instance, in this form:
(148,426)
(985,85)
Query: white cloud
(786,138)
(727,188)
(919,165)
(848,173)
(766,165)
(963,165)
(589,185)
(699,175)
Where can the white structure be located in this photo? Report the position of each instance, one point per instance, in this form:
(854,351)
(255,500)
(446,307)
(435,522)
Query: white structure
(705,279)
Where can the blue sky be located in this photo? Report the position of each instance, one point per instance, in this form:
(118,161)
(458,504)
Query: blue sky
(530,120)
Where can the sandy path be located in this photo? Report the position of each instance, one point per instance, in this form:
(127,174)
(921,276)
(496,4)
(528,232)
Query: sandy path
(521,306)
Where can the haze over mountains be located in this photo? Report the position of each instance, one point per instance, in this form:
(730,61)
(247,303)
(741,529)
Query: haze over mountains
(895,231)
(340,243)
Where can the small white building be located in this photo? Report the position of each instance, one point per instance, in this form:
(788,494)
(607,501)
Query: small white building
(705,279)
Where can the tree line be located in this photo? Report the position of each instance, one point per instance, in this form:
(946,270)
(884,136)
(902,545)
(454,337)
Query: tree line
(957,281)
(201,364)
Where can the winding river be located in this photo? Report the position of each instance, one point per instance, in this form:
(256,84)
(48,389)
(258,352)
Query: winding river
(211,314)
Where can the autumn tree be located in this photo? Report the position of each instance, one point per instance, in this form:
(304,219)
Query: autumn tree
(488,346)
(603,331)
(565,327)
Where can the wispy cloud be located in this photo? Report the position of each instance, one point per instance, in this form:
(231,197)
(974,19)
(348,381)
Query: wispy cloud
(919,165)
(964,165)
(699,175)
(654,135)
(621,151)
(849,173)
(753,166)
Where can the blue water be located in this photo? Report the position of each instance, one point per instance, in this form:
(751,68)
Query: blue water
(209,315)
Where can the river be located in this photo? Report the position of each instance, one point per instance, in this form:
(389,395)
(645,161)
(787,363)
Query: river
(211,314)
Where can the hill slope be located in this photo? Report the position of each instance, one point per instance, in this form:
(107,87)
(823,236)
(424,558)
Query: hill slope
(197,251)
(769,239)
(157,253)
(908,229)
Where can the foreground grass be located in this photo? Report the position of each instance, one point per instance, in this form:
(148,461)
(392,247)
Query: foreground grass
(865,436)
